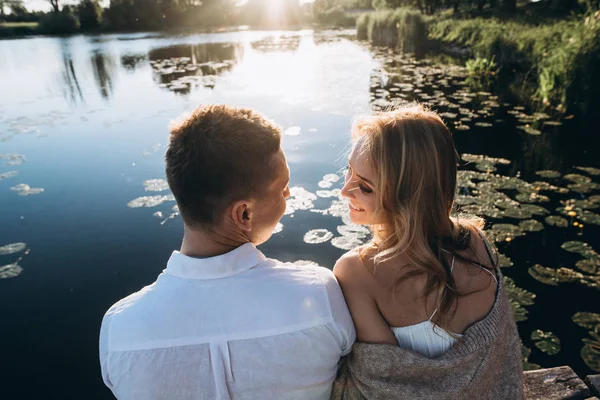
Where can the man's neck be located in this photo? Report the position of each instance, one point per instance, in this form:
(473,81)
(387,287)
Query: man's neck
(203,243)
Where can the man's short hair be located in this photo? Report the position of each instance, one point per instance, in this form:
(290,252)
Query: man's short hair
(218,155)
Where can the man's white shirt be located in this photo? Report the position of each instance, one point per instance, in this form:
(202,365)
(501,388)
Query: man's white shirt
(235,326)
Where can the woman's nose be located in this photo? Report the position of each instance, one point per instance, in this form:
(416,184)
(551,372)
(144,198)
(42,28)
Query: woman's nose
(346,190)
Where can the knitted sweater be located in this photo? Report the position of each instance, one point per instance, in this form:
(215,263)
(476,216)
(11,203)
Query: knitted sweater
(484,364)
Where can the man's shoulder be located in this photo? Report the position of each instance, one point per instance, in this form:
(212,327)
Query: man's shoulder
(128,302)
(298,270)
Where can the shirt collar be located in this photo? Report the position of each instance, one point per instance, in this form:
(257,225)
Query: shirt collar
(235,262)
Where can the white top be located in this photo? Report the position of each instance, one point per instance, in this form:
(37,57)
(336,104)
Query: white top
(425,337)
(235,326)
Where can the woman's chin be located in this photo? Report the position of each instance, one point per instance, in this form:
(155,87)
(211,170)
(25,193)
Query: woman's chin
(357,217)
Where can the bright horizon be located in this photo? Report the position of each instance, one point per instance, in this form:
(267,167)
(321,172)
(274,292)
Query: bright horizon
(43,5)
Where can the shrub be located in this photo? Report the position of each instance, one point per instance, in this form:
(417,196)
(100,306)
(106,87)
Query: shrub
(62,22)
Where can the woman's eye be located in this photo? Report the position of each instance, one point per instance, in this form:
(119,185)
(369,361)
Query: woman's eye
(365,189)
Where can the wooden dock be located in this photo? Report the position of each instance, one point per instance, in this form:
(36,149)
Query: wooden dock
(560,383)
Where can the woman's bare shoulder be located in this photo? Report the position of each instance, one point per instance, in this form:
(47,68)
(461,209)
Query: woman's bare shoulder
(351,271)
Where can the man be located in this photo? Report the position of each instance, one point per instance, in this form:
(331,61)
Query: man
(223,321)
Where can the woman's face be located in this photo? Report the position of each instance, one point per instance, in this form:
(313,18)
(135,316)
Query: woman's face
(360,187)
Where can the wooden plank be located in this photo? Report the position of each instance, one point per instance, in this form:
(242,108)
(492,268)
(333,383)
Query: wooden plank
(554,384)
(593,382)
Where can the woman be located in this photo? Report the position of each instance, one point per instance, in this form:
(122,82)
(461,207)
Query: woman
(431,316)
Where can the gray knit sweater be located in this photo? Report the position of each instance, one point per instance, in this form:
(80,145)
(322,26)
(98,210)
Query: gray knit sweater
(484,364)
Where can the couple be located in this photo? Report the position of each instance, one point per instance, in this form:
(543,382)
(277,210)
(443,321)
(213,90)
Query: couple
(419,312)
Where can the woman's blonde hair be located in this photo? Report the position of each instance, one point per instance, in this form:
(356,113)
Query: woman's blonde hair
(415,162)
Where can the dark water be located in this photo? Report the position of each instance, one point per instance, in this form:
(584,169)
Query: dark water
(89,115)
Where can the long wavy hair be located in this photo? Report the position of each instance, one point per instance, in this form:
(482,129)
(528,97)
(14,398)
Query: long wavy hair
(415,162)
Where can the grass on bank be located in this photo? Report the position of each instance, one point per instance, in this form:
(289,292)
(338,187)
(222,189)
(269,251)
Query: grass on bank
(555,63)
(14,29)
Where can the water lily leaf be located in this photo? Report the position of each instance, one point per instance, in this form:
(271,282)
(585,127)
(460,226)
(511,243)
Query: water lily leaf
(589,170)
(12,248)
(300,199)
(149,201)
(156,185)
(590,352)
(10,271)
(587,320)
(590,266)
(549,174)
(504,261)
(553,276)
(292,131)
(555,220)
(519,298)
(581,248)
(316,236)
(577,178)
(517,212)
(9,174)
(535,209)
(547,342)
(585,187)
(346,242)
(531,225)
(505,232)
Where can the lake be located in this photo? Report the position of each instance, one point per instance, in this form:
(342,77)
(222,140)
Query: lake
(86,220)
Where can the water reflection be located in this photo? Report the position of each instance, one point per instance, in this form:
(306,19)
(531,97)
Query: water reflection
(184,67)
(130,62)
(103,67)
(277,44)
(68,82)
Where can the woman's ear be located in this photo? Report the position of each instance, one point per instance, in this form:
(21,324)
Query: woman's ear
(242,214)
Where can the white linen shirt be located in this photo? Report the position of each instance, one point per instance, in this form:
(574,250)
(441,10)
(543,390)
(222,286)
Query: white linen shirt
(235,326)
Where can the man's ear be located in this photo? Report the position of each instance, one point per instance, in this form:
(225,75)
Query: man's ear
(242,214)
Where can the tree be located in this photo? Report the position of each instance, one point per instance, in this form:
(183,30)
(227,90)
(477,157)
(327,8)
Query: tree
(54,4)
(14,6)
(89,13)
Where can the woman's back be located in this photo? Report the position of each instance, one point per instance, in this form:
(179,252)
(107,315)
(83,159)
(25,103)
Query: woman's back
(392,294)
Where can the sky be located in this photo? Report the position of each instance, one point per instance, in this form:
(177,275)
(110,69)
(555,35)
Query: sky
(43,5)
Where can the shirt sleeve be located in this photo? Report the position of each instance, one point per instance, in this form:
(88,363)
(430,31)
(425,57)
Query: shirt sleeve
(103,350)
(341,316)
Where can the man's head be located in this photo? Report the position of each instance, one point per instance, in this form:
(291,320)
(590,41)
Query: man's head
(227,171)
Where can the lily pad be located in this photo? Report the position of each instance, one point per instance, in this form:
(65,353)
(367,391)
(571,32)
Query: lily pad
(292,131)
(346,242)
(549,174)
(24,190)
(547,342)
(156,185)
(589,170)
(556,220)
(9,174)
(278,228)
(531,225)
(590,266)
(554,276)
(577,178)
(149,201)
(584,187)
(12,248)
(590,352)
(300,199)
(519,299)
(316,236)
(504,261)
(581,248)
(10,271)
(505,232)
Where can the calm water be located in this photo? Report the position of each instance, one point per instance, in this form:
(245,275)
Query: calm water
(85,119)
